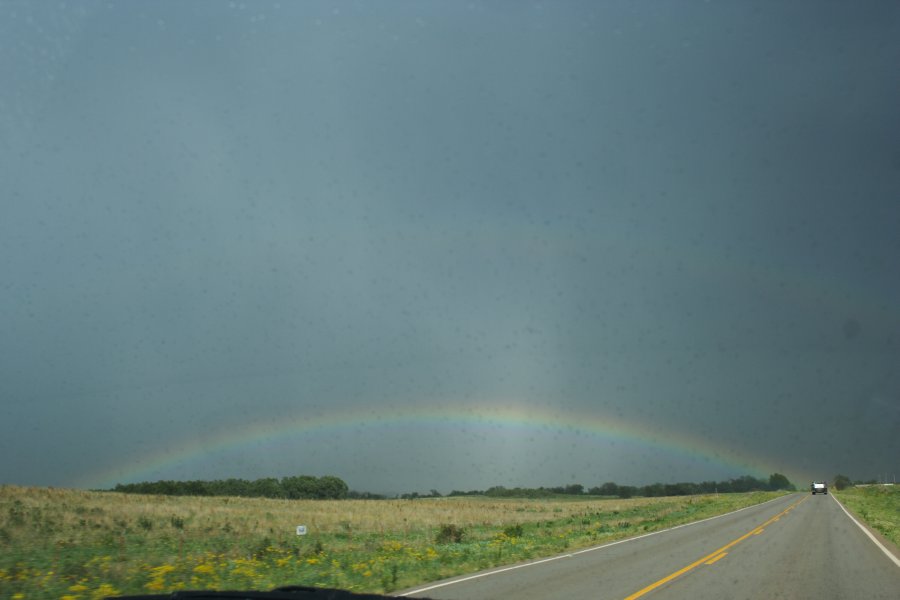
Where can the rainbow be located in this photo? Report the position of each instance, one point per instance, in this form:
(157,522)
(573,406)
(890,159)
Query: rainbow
(514,418)
(505,420)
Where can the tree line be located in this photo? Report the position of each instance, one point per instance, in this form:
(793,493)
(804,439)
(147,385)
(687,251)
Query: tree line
(842,481)
(745,483)
(329,487)
(300,487)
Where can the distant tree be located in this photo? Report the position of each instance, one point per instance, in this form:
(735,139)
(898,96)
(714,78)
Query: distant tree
(300,487)
(167,487)
(840,482)
(609,489)
(681,489)
(777,481)
(267,487)
(331,488)
(747,483)
(195,488)
(469,493)
(654,490)
(355,495)
(574,489)
(231,487)
(626,491)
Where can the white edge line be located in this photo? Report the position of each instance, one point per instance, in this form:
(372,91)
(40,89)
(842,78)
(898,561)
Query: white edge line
(583,551)
(889,554)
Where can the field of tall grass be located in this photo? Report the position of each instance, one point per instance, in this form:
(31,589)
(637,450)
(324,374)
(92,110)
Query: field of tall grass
(877,505)
(75,545)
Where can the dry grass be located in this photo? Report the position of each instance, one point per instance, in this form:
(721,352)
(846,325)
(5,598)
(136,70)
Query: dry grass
(64,515)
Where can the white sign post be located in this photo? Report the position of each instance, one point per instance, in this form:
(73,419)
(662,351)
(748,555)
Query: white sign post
(301,529)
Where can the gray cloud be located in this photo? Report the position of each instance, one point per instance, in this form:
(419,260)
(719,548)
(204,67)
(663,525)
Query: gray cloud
(218,217)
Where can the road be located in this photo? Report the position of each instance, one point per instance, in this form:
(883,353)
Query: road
(797,546)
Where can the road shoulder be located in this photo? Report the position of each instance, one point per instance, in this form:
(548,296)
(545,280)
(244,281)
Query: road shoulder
(887,545)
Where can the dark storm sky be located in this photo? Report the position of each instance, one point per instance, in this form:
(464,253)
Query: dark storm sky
(683,217)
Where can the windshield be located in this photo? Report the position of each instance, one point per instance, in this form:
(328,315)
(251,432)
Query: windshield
(410,248)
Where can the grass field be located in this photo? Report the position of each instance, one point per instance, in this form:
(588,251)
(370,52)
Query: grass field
(74,545)
(877,505)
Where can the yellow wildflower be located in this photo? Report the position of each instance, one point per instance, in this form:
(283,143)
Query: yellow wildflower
(158,577)
(105,590)
(204,569)
(161,570)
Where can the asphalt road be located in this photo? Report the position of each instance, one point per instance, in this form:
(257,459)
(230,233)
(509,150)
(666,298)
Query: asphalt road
(798,546)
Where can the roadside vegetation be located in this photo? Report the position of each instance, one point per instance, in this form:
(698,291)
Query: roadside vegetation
(877,505)
(75,545)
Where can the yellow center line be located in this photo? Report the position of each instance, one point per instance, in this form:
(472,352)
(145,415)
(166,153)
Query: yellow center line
(711,555)
(712,560)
